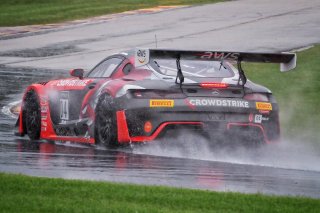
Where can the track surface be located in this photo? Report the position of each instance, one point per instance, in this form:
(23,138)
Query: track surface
(287,168)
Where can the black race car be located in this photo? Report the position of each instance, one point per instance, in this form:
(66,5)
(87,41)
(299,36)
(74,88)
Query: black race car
(137,96)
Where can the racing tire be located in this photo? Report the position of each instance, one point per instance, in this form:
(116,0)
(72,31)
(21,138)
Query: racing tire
(32,115)
(105,127)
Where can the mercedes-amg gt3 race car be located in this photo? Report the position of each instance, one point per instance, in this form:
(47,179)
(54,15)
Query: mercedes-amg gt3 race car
(137,96)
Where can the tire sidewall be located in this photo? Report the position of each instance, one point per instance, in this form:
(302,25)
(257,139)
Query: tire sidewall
(32,108)
(104,107)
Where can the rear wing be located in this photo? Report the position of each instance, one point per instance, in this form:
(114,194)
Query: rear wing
(287,60)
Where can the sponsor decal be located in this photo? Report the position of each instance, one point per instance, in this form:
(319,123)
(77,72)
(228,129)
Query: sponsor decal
(73,83)
(258,118)
(264,106)
(43,101)
(219,102)
(141,57)
(44,129)
(219,56)
(44,109)
(161,103)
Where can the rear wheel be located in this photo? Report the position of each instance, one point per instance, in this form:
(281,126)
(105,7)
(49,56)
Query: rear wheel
(32,115)
(105,128)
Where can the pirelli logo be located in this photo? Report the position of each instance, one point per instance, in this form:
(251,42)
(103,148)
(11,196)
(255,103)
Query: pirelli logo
(161,103)
(263,106)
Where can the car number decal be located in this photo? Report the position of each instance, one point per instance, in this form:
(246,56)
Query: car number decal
(64,106)
(258,119)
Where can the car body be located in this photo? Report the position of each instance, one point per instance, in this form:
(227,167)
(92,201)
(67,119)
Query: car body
(137,96)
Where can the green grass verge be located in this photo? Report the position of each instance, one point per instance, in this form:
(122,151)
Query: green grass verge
(20,193)
(26,12)
(297,93)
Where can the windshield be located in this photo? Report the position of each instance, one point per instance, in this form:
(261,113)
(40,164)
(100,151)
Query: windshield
(193,68)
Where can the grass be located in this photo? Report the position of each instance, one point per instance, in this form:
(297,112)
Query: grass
(26,12)
(297,93)
(20,193)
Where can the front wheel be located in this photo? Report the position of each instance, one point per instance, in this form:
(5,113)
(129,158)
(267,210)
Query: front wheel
(32,115)
(105,128)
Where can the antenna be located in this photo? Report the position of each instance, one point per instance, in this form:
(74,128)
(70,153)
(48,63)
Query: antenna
(156,40)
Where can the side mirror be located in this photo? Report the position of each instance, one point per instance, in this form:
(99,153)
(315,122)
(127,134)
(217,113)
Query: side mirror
(77,73)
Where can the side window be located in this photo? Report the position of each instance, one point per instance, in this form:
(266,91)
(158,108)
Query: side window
(127,68)
(105,68)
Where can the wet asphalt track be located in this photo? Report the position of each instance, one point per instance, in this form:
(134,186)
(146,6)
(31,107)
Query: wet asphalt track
(188,163)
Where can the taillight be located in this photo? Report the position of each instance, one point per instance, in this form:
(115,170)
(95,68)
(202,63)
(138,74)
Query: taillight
(209,85)
(256,97)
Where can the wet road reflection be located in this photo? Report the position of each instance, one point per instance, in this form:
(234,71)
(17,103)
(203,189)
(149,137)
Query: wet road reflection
(142,165)
(86,162)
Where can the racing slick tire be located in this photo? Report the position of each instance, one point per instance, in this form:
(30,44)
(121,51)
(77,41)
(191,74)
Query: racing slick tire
(105,128)
(32,115)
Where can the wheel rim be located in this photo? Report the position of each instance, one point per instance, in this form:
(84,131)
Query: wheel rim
(105,126)
(105,122)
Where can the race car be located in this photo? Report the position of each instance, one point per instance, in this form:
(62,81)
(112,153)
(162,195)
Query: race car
(139,95)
